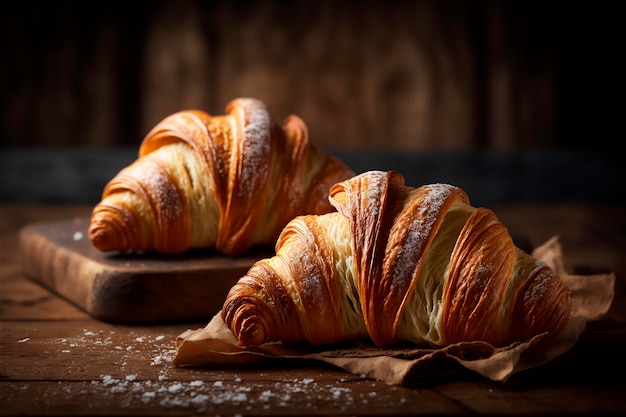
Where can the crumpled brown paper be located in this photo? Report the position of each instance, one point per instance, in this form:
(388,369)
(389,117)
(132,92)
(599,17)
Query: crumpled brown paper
(591,297)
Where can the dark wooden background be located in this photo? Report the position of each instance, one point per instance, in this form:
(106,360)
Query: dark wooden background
(399,75)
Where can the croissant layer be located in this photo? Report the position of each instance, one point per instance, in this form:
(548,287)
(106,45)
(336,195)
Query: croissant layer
(397,264)
(228,181)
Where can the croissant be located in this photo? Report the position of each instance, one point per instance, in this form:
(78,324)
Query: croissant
(397,264)
(228,182)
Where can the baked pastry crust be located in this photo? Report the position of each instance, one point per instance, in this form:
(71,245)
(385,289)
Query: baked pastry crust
(228,181)
(397,264)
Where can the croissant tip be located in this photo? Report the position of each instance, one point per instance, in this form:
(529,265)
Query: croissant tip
(248,328)
(252,335)
(110,229)
(101,236)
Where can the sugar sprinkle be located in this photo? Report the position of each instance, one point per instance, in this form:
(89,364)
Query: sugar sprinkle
(129,385)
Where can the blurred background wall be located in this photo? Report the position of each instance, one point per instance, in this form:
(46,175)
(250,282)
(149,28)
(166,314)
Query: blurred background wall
(401,75)
(511,100)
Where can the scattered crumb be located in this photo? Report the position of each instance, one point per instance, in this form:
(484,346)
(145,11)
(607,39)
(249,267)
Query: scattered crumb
(128,386)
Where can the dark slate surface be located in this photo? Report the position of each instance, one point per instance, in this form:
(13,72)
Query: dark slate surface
(78,175)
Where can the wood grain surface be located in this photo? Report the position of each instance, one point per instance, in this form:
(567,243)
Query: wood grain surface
(128,288)
(376,74)
(57,360)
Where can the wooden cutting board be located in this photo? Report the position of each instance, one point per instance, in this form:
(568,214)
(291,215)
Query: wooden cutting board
(122,288)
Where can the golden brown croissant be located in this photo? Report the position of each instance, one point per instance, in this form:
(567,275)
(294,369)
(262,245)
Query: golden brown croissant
(394,264)
(228,182)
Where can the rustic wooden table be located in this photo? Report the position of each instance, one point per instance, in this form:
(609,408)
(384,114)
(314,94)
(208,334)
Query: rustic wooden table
(57,360)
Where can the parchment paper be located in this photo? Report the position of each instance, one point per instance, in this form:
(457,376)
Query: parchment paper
(591,297)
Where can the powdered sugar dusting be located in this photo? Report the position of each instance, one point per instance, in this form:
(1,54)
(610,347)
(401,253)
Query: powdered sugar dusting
(373,193)
(161,190)
(540,283)
(228,395)
(484,269)
(255,146)
(311,285)
(230,392)
(418,231)
(138,373)
(152,177)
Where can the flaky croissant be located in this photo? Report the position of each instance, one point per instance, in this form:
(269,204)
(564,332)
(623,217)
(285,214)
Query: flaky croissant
(397,264)
(228,181)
